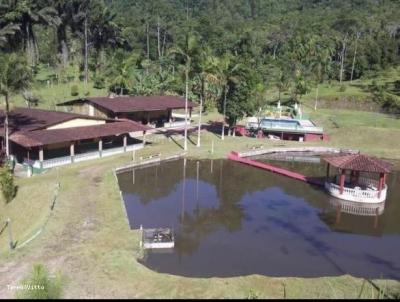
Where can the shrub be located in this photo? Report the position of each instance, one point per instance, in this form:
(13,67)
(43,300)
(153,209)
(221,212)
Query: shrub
(342,88)
(74,90)
(99,83)
(39,285)
(7,184)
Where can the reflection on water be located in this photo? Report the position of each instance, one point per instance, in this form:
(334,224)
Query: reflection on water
(231,219)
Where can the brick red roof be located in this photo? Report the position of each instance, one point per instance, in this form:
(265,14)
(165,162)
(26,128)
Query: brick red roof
(358,162)
(39,138)
(121,104)
(28,119)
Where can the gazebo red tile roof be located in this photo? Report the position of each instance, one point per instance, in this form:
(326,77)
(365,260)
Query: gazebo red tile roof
(29,139)
(358,162)
(123,104)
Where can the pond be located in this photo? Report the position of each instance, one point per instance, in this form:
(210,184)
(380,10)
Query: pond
(230,219)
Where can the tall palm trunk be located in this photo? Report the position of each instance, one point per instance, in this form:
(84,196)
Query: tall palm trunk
(62,44)
(186,103)
(86,54)
(6,129)
(224,110)
(354,60)
(316,97)
(200,113)
(158,37)
(342,57)
(148,46)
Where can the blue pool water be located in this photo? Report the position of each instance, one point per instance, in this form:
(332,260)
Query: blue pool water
(279,123)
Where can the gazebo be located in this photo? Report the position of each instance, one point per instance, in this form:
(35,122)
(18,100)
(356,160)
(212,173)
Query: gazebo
(359,178)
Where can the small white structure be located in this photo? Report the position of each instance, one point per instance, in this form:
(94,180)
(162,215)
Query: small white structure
(350,185)
(161,238)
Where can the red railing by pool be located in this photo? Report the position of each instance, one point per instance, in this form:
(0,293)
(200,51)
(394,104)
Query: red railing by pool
(235,157)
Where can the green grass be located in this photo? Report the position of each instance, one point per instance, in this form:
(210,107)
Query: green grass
(88,239)
(358,89)
(54,94)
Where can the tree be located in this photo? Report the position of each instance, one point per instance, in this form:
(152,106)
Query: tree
(204,73)
(358,34)
(227,71)
(283,83)
(300,87)
(121,70)
(15,76)
(320,65)
(187,52)
(6,32)
(27,13)
(244,92)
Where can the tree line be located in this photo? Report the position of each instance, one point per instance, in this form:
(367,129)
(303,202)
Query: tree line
(225,53)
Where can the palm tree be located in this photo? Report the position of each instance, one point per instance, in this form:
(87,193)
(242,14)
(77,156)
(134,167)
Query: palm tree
(8,30)
(188,52)
(104,31)
(321,64)
(204,74)
(227,71)
(121,71)
(282,84)
(15,76)
(26,14)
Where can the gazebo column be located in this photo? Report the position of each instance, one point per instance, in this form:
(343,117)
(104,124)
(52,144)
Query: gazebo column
(72,151)
(357,177)
(381,183)
(100,147)
(342,178)
(125,142)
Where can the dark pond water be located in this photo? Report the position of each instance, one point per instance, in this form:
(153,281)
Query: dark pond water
(237,220)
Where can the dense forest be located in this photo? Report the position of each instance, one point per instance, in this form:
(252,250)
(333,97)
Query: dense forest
(227,52)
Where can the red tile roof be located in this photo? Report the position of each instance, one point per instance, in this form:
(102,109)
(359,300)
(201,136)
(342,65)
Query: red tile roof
(28,119)
(121,104)
(358,162)
(38,138)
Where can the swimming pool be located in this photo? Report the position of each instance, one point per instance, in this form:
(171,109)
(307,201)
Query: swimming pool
(279,123)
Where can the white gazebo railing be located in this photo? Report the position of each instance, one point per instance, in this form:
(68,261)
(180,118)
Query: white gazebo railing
(357,194)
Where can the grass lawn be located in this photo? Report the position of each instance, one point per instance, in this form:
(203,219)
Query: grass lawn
(51,95)
(88,239)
